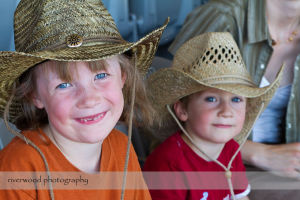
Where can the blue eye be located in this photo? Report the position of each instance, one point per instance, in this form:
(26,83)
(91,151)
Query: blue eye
(63,85)
(236,99)
(210,99)
(101,76)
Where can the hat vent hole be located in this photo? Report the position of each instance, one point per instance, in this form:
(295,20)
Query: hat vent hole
(207,53)
(223,50)
(203,58)
(226,55)
(215,61)
(219,56)
(216,51)
(211,57)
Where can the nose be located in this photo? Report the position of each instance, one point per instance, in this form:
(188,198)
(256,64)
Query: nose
(225,109)
(88,97)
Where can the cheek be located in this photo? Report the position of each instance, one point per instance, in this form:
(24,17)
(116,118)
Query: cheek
(59,108)
(114,94)
(200,118)
(240,119)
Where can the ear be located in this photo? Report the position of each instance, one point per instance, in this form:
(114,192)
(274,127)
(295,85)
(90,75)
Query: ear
(37,101)
(180,111)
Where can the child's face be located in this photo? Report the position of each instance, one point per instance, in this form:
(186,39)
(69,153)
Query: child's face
(85,109)
(213,115)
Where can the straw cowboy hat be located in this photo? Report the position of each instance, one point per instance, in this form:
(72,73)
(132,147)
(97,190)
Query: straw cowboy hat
(209,60)
(66,31)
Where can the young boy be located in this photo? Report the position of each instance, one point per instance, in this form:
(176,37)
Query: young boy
(70,80)
(214,100)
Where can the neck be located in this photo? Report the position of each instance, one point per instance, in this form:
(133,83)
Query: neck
(213,150)
(84,156)
(283,14)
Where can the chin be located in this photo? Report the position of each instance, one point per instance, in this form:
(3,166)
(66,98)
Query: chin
(94,137)
(222,141)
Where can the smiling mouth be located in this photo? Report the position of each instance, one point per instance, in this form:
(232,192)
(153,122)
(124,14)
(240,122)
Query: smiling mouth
(91,119)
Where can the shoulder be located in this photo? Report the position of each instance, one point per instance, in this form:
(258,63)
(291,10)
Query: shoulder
(18,155)
(232,144)
(165,155)
(171,145)
(224,6)
(214,16)
(230,148)
(117,138)
(115,146)
(223,15)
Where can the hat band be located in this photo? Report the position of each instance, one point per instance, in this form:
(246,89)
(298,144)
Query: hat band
(228,79)
(86,42)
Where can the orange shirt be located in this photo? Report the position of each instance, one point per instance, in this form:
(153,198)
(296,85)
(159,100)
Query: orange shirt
(18,156)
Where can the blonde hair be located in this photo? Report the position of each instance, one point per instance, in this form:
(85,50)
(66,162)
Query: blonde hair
(32,118)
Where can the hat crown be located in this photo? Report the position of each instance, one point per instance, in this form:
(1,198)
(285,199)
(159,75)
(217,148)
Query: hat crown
(212,58)
(46,24)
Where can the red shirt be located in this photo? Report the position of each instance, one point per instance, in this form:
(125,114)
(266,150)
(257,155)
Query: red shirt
(175,155)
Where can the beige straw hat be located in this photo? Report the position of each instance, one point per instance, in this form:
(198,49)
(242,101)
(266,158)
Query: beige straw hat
(66,30)
(209,60)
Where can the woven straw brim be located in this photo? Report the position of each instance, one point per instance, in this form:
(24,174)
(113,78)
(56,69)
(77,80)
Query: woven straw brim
(13,64)
(169,85)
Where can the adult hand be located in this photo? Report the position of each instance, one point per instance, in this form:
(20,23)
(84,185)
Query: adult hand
(282,160)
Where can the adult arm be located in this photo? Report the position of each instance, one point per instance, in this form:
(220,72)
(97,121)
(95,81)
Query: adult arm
(282,159)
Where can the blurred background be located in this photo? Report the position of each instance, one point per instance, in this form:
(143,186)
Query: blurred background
(134,19)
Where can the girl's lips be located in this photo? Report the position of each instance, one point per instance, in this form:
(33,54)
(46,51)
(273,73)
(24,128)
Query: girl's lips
(91,119)
(222,125)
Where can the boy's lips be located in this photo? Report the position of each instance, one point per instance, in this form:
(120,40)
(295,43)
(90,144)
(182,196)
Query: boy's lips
(91,119)
(222,125)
